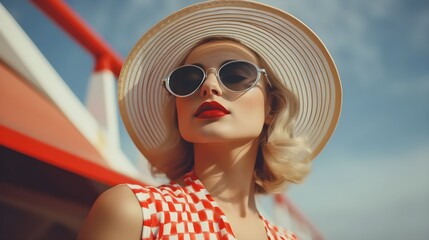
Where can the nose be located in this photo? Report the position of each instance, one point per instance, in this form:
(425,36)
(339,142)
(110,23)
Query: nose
(211,84)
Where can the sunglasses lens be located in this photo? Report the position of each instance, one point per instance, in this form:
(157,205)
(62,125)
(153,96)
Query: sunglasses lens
(185,80)
(238,75)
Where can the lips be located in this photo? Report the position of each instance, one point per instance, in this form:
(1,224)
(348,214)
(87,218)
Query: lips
(209,110)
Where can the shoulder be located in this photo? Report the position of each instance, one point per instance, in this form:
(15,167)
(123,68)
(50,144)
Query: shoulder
(115,214)
(118,201)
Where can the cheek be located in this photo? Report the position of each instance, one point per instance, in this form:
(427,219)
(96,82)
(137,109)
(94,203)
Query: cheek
(258,102)
(179,110)
(182,107)
(253,110)
(184,115)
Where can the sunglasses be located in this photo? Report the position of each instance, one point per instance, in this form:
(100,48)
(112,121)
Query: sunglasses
(236,76)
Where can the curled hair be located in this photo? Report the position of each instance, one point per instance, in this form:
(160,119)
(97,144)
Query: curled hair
(174,145)
(279,159)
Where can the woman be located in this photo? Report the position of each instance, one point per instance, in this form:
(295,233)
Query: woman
(250,95)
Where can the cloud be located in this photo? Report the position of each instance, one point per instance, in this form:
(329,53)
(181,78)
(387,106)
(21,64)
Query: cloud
(346,27)
(412,87)
(420,31)
(369,197)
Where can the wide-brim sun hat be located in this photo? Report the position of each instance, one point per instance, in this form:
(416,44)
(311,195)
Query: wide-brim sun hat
(291,49)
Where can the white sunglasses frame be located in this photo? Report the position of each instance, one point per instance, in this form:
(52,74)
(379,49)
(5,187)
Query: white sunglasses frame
(166,80)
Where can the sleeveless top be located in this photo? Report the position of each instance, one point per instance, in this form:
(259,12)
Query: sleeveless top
(188,212)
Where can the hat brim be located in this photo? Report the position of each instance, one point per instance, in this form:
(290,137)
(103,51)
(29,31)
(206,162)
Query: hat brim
(289,47)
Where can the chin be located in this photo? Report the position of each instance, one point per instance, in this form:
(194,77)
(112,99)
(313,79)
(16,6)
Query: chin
(219,134)
(218,138)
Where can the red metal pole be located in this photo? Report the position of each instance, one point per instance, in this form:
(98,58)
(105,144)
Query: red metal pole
(284,202)
(73,24)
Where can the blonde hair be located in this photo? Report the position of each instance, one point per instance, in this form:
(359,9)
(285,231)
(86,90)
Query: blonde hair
(279,160)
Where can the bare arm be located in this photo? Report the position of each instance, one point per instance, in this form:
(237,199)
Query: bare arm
(116,214)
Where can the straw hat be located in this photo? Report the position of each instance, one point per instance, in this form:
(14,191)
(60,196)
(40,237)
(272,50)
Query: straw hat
(289,47)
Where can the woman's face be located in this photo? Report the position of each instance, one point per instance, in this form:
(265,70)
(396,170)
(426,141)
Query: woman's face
(211,114)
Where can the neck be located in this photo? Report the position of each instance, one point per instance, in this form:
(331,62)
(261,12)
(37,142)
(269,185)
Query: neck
(226,170)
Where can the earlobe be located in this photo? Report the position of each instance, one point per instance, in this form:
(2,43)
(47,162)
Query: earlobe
(269,118)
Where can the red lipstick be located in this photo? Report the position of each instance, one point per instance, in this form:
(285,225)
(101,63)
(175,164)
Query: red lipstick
(208,110)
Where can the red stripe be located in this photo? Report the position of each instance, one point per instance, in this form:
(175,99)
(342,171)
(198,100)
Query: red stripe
(62,159)
(282,201)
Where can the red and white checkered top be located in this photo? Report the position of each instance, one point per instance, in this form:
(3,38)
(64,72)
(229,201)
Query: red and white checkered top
(188,212)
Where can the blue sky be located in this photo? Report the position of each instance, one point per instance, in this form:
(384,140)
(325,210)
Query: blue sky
(372,179)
